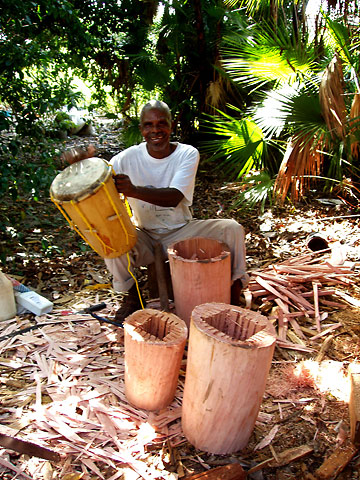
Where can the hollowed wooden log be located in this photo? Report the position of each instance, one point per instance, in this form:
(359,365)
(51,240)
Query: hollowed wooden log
(154,346)
(200,273)
(229,357)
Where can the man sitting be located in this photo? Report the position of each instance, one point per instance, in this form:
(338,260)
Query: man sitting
(158,178)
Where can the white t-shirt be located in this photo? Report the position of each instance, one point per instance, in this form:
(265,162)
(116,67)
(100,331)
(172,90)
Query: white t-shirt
(178,170)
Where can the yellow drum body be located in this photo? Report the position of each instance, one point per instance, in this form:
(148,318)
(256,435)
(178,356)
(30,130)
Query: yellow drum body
(86,195)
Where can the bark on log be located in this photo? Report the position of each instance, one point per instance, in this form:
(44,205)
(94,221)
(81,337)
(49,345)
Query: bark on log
(336,463)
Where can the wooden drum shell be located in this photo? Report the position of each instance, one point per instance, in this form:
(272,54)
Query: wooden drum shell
(229,356)
(154,346)
(101,219)
(200,273)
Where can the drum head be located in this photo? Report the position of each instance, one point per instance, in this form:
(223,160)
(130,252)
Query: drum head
(80,179)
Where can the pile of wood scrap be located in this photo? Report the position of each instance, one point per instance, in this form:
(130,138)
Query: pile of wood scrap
(301,290)
(66,393)
(62,385)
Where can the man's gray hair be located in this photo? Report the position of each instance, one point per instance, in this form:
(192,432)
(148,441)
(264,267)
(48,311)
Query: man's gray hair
(156,105)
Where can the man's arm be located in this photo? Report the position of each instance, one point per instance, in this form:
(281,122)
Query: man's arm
(163,197)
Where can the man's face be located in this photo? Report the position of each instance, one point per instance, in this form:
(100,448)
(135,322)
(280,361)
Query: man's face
(156,130)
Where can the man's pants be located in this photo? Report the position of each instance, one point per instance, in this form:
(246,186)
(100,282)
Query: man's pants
(227,231)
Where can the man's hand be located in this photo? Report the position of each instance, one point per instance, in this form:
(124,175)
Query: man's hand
(163,197)
(76,154)
(123,185)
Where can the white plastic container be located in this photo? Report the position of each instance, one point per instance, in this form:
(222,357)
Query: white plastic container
(34,302)
(7,299)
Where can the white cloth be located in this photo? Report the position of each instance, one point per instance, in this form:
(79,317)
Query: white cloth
(178,171)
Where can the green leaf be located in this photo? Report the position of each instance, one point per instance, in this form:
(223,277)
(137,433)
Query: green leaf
(290,109)
(237,146)
(340,34)
(267,56)
(256,190)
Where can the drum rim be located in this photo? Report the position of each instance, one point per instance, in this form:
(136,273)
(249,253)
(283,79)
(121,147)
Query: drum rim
(81,197)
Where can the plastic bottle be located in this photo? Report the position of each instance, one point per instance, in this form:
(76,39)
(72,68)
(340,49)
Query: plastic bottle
(7,298)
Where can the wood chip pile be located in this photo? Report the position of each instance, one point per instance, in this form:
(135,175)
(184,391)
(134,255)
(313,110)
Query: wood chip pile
(62,385)
(69,396)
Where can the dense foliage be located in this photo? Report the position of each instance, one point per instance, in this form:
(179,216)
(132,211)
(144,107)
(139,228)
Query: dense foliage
(125,52)
(260,76)
(303,76)
(123,45)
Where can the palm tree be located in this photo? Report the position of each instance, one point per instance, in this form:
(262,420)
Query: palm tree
(301,89)
(332,148)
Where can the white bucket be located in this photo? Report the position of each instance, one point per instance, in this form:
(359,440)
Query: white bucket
(7,298)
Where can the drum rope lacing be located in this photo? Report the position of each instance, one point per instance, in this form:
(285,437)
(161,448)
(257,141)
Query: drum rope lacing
(106,247)
(72,225)
(127,237)
(136,283)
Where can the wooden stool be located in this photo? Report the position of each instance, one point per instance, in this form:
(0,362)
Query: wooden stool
(159,279)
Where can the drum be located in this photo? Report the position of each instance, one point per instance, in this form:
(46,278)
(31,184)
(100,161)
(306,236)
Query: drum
(86,195)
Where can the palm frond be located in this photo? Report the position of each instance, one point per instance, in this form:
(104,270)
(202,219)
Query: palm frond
(302,161)
(231,3)
(266,59)
(346,45)
(258,8)
(152,72)
(337,163)
(256,190)
(332,101)
(130,134)
(237,145)
(340,35)
(290,108)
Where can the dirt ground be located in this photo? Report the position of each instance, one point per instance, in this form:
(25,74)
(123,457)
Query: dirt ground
(305,405)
